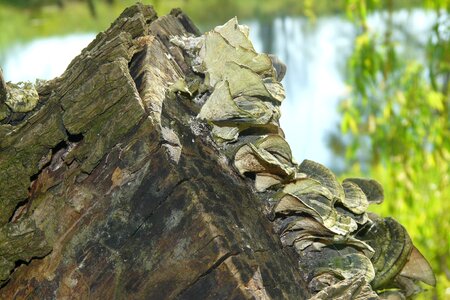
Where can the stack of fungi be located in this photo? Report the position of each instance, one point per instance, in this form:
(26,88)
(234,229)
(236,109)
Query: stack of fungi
(341,247)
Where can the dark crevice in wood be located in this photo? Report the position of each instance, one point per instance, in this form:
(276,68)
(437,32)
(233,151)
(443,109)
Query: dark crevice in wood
(15,118)
(134,68)
(136,71)
(22,207)
(250,175)
(20,262)
(188,25)
(19,210)
(74,138)
(257,131)
(3,92)
(61,145)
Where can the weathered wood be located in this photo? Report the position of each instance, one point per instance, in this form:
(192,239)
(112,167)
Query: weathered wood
(2,88)
(3,95)
(115,192)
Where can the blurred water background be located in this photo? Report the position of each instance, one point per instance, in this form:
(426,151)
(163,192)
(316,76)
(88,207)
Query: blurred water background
(315,53)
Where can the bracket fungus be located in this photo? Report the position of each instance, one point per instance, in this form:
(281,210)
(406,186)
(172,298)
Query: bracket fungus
(244,89)
(21,97)
(340,247)
(17,98)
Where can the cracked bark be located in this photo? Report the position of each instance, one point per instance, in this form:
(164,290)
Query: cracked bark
(216,265)
(113,195)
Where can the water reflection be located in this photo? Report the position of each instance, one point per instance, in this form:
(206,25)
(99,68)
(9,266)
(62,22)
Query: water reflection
(43,58)
(315,54)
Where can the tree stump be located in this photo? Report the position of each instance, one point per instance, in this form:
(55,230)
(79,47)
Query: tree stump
(126,178)
(106,191)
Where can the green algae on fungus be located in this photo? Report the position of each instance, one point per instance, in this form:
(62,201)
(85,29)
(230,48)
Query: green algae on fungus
(309,196)
(221,107)
(354,199)
(251,159)
(393,250)
(371,188)
(245,90)
(323,175)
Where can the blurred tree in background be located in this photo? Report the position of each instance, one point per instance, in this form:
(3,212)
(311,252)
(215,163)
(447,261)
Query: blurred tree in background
(396,127)
(27,19)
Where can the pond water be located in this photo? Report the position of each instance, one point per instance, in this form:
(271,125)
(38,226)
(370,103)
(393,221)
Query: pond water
(315,55)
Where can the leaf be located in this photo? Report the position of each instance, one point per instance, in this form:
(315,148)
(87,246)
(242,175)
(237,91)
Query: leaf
(261,112)
(318,198)
(275,89)
(436,100)
(307,229)
(305,186)
(302,223)
(355,288)
(277,146)
(246,161)
(291,204)
(358,218)
(347,265)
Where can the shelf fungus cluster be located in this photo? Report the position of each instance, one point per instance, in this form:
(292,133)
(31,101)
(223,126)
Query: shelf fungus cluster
(343,250)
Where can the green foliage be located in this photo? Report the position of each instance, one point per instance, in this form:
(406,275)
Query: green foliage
(18,24)
(396,122)
(22,20)
(426,219)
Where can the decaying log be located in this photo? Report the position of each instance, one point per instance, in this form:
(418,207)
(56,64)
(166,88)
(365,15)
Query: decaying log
(107,192)
(155,168)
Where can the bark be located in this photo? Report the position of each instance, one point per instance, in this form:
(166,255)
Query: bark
(2,88)
(3,95)
(111,189)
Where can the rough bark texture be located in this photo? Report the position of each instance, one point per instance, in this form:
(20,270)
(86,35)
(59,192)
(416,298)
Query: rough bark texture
(110,189)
